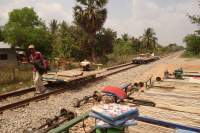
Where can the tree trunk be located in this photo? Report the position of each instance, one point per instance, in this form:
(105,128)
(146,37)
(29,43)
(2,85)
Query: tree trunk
(93,54)
(93,51)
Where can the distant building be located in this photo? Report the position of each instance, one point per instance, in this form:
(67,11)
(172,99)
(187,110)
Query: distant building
(7,55)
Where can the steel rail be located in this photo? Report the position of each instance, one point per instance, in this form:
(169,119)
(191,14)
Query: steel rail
(118,66)
(17,92)
(31,89)
(69,85)
(41,96)
(124,69)
(21,91)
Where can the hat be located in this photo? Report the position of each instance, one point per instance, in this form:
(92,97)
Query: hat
(31,46)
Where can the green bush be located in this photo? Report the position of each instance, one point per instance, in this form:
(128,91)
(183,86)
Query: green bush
(192,44)
(123,48)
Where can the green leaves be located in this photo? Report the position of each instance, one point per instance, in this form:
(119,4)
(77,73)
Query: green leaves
(24,27)
(1,34)
(195,19)
(101,3)
(123,48)
(193,40)
(105,41)
(53,26)
(193,44)
(149,39)
(90,15)
(25,17)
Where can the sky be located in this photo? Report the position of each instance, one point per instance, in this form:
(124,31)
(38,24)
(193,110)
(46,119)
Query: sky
(167,17)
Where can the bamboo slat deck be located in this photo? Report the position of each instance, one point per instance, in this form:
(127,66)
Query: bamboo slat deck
(70,75)
(142,127)
(179,105)
(191,74)
(187,80)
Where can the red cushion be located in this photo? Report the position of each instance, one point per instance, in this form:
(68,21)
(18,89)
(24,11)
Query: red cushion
(115,91)
(196,78)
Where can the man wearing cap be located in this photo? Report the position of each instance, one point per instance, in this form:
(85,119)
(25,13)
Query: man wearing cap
(36,58)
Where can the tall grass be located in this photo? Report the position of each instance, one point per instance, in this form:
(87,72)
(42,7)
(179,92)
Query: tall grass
(118,59)
(10,74)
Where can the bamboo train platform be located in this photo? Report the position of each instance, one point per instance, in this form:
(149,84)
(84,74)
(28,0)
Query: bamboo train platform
(175,103)
(180,104)
(70,75)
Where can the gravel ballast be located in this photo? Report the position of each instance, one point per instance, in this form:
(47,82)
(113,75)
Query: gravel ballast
(15,121)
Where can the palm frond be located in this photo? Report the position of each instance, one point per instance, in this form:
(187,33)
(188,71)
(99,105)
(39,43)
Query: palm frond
(101,3)
(83,2)
(90,15)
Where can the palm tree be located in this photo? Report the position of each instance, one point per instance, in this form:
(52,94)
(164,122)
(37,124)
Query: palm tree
(53,26)
(125,37)
(137,44)
(195,19)
(105,40)
(90,15)
(149,39)
(154,42)
(64,28)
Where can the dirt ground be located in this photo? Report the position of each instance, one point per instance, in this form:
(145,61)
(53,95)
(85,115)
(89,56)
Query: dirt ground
(173,62)
(181,104)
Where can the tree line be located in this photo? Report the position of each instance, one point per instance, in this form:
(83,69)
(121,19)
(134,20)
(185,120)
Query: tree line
(193,40)
(85,38)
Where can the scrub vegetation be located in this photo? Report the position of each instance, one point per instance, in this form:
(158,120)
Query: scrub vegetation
(193,40)
(85,38)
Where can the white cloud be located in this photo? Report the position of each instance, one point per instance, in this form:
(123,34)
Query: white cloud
(45,10)
(170,22)
(168,18)
(49,11)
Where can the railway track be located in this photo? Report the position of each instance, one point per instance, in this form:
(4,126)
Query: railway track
(23,97)
(32,89)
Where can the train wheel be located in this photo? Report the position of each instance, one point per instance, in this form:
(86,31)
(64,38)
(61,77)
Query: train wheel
(158,79)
